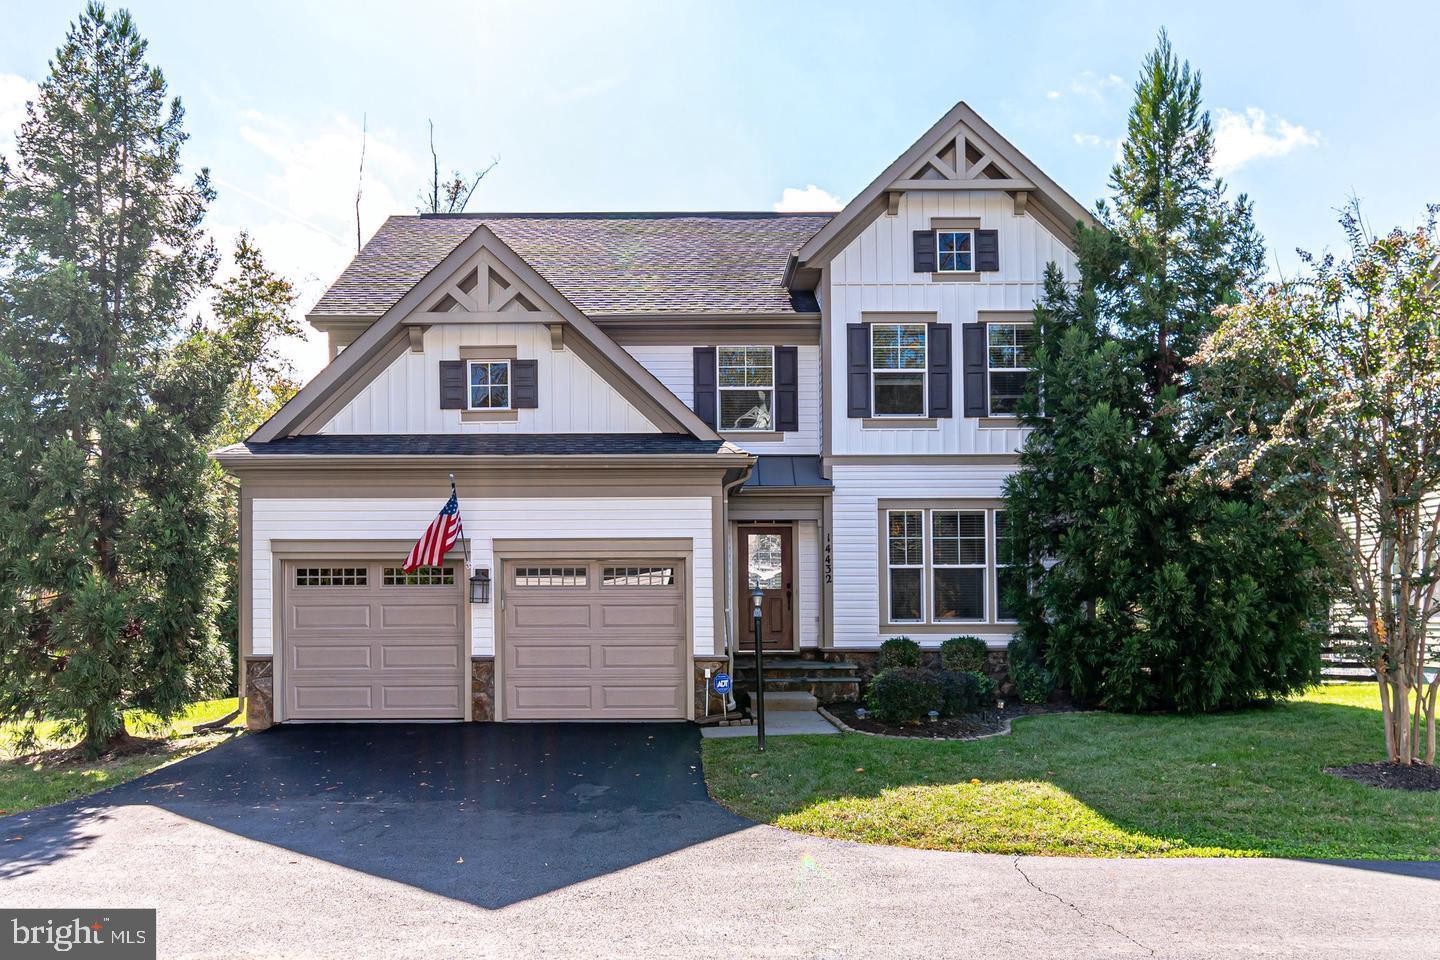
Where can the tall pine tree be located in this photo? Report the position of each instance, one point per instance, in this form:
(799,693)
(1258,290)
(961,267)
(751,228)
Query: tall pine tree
(109,564)
(1149,588)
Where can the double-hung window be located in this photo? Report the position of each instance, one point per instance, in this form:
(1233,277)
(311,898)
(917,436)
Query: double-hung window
(955,251)
(489,385)
(905,554)
(898,369)
(747,387)
(1009,358)
(958,564)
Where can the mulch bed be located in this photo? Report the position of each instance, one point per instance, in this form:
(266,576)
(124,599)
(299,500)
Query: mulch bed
(1391,776)
(966,727)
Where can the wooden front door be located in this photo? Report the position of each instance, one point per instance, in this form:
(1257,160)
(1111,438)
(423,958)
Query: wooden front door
(767,561)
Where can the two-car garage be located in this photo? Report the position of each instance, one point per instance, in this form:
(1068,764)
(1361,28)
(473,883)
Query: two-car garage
(578,639)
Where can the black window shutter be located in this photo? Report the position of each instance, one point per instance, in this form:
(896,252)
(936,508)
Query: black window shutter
(972,352)
(987,250)
(525,385)
(705,387)
(452,384)
(857,367)
(942,381)
(924,241)
(787,388)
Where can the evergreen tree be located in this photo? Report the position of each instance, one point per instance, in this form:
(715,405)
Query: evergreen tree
(108,554)
(253,309)
(1150,589)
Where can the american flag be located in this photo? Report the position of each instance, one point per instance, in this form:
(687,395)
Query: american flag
(439,537)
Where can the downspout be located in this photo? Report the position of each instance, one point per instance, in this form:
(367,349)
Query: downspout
(729,585)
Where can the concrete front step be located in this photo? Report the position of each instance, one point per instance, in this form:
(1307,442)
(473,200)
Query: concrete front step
(745,661)
(787,700)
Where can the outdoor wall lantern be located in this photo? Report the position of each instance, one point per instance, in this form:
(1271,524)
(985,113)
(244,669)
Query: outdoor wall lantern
(480,586)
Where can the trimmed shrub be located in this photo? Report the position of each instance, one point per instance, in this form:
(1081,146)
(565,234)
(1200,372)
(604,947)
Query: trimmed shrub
(1033,680)
(964,653)
(898,652)
(964,691)
(903,695)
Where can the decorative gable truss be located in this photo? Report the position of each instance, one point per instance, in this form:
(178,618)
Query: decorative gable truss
(484,291)
(962,161)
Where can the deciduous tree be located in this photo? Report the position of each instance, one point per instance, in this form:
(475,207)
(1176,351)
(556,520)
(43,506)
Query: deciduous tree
(1326,395)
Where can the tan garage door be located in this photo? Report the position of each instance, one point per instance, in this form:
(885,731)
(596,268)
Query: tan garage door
(594,640)
(365,641)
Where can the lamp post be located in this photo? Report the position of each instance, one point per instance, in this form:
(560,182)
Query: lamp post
(758,596)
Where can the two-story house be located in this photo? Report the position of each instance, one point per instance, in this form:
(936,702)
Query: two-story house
(647,416)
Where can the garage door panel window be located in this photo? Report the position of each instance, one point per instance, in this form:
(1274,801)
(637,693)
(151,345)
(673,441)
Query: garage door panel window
(551,577)
(332,577)
(419,577)
(638,577)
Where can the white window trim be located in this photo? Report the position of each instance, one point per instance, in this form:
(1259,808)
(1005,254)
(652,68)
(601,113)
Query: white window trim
(509,384)
(993,529)
(985,567)
(922,566)
(923,370)
(989,394)
(971,232)
(721,390)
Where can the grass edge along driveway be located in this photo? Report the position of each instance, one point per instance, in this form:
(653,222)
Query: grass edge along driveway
(1249,783)
(41,779)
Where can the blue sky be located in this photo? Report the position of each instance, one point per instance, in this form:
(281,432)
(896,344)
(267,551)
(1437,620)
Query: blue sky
(725,106)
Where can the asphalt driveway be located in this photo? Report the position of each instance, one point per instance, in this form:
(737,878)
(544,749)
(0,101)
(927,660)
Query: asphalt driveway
(600,841)
(485,813)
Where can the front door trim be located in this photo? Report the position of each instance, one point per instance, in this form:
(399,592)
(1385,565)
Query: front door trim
(792,585)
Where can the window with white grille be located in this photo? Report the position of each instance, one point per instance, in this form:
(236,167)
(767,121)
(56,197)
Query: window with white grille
(638,577)
(419,577)
(550,576)
(331,577)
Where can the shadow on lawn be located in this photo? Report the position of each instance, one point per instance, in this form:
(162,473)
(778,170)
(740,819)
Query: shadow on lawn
(489,814)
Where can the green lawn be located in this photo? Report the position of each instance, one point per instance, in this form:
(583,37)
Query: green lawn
(43,778)
(1096,784)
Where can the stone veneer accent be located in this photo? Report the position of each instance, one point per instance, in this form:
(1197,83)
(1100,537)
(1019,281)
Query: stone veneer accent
(482,688)
(259,693)
(715,664)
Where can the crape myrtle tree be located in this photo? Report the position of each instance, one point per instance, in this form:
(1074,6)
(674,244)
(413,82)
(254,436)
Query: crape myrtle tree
(1326,394)
(1148,589)
(108,537)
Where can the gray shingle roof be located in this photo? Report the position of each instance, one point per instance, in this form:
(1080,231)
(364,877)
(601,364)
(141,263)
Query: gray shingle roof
(604,263)
(484,444)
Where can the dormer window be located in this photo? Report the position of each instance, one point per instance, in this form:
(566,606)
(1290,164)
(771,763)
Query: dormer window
(489,385)
(747,387)
(955,251)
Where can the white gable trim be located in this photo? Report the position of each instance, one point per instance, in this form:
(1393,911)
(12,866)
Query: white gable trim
(922,167)
(387,337)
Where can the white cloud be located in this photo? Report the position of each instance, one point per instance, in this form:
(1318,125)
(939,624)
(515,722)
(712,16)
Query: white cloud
(1241,138)
(810,200)
(15,90)
(1089,139)
(299,204)
(1092,85)
(1052,94)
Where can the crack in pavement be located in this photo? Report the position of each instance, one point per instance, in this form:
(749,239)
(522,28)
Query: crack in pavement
(1078,912)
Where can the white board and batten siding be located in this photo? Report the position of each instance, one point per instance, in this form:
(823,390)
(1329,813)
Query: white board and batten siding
(875,274)
(855,538)
(405,397)
(674,366)
(487,520)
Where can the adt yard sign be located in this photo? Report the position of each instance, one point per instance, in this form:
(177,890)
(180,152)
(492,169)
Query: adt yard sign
(721,683)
